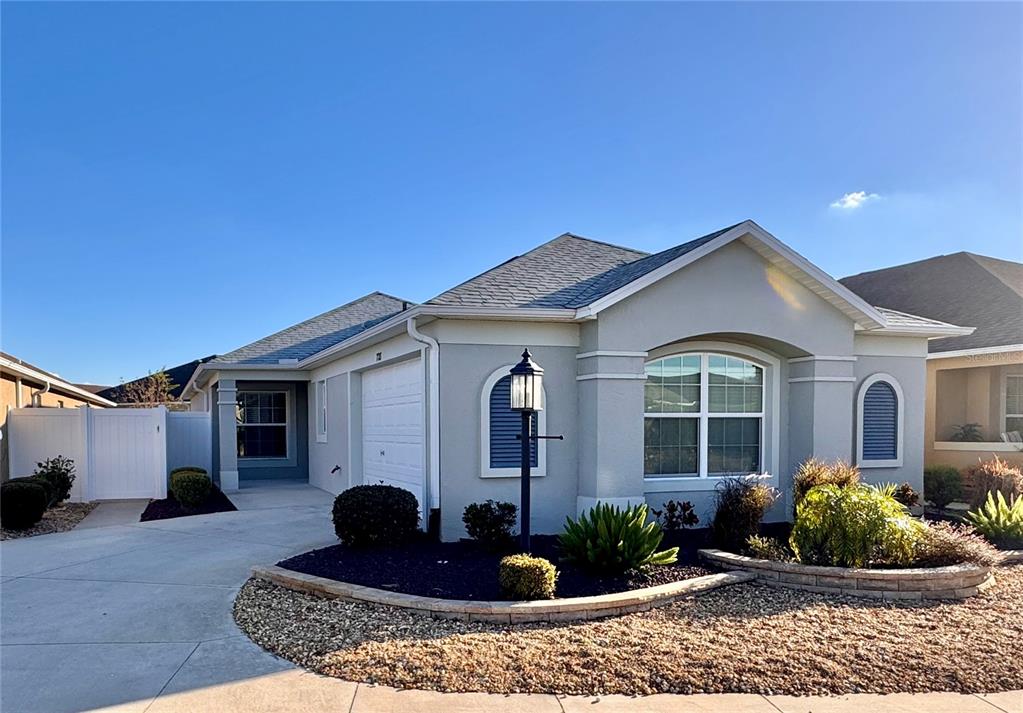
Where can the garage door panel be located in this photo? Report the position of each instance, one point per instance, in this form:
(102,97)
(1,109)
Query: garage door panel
(392,427)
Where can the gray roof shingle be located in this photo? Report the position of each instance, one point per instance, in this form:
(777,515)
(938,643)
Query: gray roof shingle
(567,272)
(318,333)
(961,288)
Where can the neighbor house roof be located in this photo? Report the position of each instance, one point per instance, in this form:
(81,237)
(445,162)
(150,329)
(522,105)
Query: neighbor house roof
(179,376)
(961,288)
(15,366)
(318,333)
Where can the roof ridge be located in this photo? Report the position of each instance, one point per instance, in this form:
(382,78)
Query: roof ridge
(643,253)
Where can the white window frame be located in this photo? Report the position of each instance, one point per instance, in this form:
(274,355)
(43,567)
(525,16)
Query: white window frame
(286,424)
(540,471)
(900,418)
(321,410)
(705,414)
(1005,401)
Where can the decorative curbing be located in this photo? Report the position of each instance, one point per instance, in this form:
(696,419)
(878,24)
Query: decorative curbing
(955,582)
(1012,556)
(575,608)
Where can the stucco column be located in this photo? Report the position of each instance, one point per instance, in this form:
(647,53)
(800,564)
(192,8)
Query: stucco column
(228,432)
(821,399)
(610,429)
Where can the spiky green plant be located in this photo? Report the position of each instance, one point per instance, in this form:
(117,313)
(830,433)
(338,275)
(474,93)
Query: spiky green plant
(612,540)
(999,520)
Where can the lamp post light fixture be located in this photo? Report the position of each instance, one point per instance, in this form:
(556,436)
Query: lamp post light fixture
(527,399)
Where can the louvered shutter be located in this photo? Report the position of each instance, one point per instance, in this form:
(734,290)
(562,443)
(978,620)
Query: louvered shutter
(880,422)
(505,425)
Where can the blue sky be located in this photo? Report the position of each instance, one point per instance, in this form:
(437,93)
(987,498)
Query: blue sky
(181,179)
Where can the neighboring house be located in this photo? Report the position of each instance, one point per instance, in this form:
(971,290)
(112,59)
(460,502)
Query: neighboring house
(24,385)
(665,373)
(971,379)
(178,375)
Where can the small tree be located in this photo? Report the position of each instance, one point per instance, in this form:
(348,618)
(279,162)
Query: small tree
(152,390)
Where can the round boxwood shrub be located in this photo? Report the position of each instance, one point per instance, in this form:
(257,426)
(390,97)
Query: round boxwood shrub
(190,487)
(22,505)
(190,469)
(41,482)
(943,484)
(524,577)
(369,515)
(490,523)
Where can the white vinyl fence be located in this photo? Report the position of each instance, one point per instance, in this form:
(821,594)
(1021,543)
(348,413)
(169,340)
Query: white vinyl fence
(119,453)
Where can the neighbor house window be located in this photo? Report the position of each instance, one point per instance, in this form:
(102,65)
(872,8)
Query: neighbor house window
(501,449)
(880,421)
(262,418)
(704,416)
(1014,403)
(321,411)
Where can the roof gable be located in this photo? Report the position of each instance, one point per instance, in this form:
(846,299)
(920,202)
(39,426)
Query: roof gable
(961,288)
(318,333)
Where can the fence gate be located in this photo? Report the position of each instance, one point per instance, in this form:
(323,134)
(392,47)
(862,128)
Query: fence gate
(128,450)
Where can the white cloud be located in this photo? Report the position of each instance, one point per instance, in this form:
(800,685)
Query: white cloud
(852,201)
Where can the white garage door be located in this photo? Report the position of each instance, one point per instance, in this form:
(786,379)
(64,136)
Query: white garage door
(392,427)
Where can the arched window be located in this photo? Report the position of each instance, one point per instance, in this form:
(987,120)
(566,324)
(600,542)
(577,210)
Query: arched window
(704,416)
(880,422)
(500,448)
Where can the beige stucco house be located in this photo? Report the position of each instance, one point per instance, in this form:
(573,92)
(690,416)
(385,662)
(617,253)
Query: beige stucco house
(971,379)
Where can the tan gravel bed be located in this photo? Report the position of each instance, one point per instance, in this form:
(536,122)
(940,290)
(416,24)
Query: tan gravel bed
(58,519)
(747,638)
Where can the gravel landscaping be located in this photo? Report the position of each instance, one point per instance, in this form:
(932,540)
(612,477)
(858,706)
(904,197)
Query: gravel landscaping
(746,638)
(57,519)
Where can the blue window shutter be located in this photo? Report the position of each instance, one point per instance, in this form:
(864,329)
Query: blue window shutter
(505,425)
(880,422)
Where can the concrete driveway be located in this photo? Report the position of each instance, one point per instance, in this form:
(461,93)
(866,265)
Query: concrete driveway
(137,617)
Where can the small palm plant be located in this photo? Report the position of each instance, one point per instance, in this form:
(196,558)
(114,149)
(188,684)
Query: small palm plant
(999,520)
(612,540)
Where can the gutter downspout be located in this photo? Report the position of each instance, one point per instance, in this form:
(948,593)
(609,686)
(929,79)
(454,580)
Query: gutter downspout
(38,394)
(433,386)
(18,400)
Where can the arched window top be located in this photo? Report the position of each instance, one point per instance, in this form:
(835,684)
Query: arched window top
(880,416)
(500,448)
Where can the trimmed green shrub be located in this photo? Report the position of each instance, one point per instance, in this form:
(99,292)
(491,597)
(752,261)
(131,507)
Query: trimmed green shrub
(60,473)
(523,577)
(813,472)
(490,523)
(676,515)
(190,487)
(853,527)
(943,484)
(42,482)
(994,476)
(944,544)
(369,515)
(740,506)
(768,548)
(22,504)
(610,540)
(190,469)
(999,520)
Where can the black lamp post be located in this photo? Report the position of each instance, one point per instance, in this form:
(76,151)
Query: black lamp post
(527,399)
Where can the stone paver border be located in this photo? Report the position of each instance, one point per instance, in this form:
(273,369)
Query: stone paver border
(572,609)
(956,582)
(1012,556)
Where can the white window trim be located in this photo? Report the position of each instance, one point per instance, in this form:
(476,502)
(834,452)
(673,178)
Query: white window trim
(772,370)
(286,424)
(1005,401)
(321,410)
(900,410)
(486,471)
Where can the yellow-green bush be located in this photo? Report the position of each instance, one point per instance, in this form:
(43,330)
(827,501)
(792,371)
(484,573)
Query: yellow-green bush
(524,577)
(813,472)
(190,487)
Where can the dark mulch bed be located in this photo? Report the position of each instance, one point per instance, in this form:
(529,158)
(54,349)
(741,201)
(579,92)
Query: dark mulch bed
(463,570)
(169,507)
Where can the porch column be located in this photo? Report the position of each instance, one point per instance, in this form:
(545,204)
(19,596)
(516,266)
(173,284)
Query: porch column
(610,429)
(228,432)
(821,409)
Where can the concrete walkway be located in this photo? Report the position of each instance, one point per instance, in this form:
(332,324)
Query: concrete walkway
(114,512)
(137,617)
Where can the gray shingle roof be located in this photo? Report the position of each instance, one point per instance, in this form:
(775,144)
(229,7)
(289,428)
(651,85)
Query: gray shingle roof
(896,319)
(962,288)
(318,333)
(567,272)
